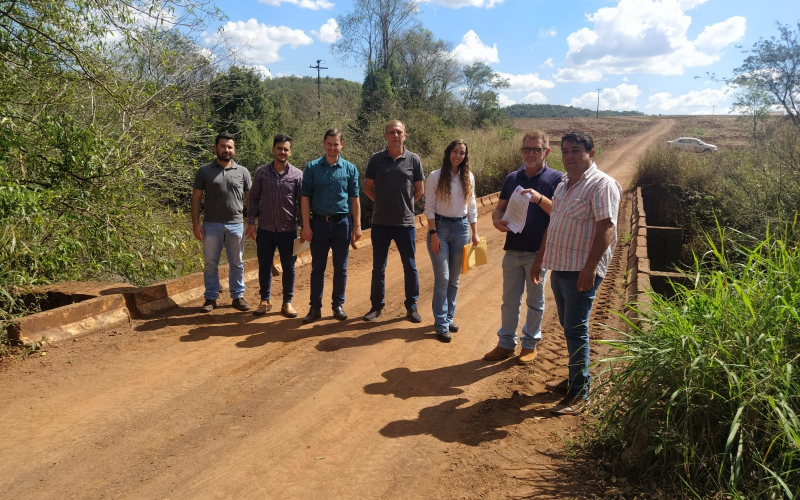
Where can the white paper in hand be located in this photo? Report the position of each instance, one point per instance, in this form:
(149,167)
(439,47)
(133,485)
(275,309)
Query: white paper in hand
(517,210)
(300,246)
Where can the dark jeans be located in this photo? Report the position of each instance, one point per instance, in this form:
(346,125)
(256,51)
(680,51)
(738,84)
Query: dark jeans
(266,243)
(405,239)
(335,236)
(574,309)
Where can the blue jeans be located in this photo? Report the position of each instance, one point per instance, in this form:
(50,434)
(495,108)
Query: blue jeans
(266,243)
(231,236)
(405,239)
(447,270)
(516,280)
(574,308)
(334,236)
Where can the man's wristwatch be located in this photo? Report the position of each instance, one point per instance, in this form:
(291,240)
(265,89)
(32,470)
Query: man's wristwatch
(432,231)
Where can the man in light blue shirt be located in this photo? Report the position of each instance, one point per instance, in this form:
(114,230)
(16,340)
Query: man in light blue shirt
(330,192)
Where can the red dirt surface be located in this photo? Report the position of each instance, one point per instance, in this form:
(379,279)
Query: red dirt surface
(227,405)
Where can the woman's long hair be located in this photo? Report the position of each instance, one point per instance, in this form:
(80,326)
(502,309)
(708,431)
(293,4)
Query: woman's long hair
(446,174)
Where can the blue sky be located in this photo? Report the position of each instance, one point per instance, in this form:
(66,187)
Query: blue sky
(645,55)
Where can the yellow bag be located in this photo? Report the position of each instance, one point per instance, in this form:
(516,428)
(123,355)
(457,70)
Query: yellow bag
(474,256)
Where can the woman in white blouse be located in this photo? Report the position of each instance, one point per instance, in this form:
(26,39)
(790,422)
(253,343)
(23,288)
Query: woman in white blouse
(451,210)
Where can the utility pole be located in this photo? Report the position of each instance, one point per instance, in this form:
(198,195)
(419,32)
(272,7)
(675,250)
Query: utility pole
(598,103)
(713,109)
(319,95)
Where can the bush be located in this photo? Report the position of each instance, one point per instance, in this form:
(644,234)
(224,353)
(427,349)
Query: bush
(706,398)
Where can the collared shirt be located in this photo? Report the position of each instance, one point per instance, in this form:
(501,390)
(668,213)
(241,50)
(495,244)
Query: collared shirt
(275,198)
(576,209)
(223,188)
(457,206)
(394,187)
(330,187)
(537,220)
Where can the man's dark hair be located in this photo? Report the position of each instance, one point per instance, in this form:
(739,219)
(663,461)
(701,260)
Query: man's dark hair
(332,132)
(227,136)
(580,138)
(281,138)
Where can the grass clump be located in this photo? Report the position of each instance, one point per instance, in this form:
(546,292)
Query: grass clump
(705,394)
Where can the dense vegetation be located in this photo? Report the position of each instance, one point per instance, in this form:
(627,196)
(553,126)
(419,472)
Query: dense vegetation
(557,111)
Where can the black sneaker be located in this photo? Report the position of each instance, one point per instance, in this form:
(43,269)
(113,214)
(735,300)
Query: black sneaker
(208,306)
(413,316)
(453,327)
(443,337)
(373,314)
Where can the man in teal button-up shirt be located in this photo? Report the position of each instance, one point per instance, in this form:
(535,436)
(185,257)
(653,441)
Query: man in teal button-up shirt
(330,192)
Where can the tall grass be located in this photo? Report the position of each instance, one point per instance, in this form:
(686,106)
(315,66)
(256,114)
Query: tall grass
(706,395)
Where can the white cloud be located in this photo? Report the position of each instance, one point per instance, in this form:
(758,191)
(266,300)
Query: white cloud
(457,4)
(526,82)
(620,98)
(578,75)
(260,43)
(694,102)
(472,50)
(303,4)
(504,101)
(328,32)
(548,63)
(535,98)
(262,70)
(548,32)
(649,36)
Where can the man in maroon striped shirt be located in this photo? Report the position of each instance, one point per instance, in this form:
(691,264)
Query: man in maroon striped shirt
(275,201)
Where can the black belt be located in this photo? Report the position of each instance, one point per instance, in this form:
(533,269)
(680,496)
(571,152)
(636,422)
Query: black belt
(331,218)
(451,219)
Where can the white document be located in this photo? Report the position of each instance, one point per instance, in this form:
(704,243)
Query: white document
(517,210)
(300,246)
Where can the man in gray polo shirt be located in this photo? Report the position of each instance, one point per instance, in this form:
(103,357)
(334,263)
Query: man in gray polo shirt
(394,182)
(226,185)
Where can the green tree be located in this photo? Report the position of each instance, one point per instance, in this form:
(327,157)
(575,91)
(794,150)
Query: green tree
(773,67)
(104,113)
(753,103)
(480,96)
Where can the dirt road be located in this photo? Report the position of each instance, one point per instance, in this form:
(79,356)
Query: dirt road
(227,405)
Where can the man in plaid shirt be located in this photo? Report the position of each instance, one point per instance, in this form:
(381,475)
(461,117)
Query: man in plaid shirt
(578,246)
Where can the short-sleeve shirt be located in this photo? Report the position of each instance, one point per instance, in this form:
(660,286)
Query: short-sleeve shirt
(224,190)
(330,187)
(275,198)
(576,209)
(537,220)
(394,187)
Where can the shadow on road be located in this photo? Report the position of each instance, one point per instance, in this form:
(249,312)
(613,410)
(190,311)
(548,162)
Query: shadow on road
(471,425)
(445,381)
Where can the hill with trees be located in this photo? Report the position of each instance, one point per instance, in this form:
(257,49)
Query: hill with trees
(558,111)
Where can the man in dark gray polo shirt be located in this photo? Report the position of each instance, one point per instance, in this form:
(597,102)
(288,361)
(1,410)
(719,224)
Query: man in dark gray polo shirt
(225,185)
(275,202)
(394,182)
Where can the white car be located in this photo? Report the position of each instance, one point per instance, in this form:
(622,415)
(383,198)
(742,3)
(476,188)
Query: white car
(692,144)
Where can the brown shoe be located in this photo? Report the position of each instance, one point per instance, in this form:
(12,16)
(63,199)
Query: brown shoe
(570,405)
(288,311)
(241,304)
(262,308)
(526,356)
(498,353)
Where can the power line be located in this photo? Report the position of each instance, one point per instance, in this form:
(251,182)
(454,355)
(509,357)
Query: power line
(319,94)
